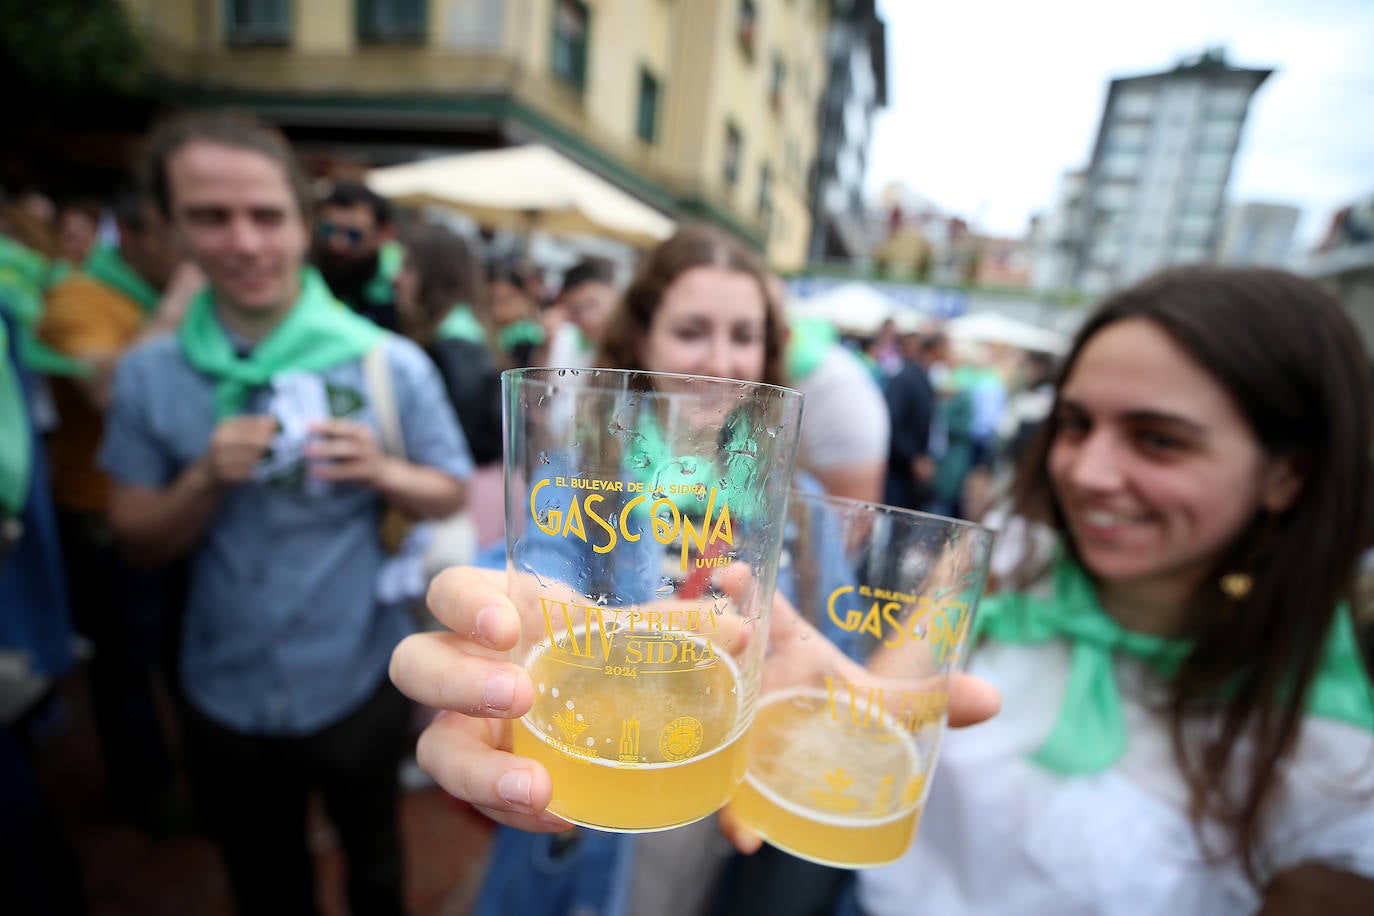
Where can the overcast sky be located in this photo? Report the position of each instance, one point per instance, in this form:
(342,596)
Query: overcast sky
(990,101)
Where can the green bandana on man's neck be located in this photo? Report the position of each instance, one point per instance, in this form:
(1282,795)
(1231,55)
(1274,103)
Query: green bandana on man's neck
(317,334)
(16,446)
(461,324)
(380,288)
(106,265)
(1089,734)
(520,333)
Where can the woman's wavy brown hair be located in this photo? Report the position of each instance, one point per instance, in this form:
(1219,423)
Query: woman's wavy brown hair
(447,275)
(689,247)
(1291,360)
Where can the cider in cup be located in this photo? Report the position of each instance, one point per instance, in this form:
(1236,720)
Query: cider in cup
(648,736)
(854,694)
(837,796)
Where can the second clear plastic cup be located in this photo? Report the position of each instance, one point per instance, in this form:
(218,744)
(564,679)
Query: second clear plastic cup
(856,686)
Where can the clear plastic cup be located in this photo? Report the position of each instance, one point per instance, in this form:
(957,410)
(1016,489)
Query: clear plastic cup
(856,686)
(628,495)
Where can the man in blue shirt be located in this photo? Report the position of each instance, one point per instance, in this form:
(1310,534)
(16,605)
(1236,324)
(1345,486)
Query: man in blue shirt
(249,443)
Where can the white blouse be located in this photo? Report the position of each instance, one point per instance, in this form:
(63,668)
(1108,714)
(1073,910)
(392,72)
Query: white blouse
(1000,835)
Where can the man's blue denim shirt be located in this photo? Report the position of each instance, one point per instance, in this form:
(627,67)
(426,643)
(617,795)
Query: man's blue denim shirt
(282,634)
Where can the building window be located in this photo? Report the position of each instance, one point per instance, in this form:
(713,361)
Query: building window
(1219,135)
(748,26)
(646,128)
(1134,104)
(571,28)
(1230,102)
(765,198)
(1128,137)
(392,21)
(1124,166)
(734,144)
(1212,166)
(777,79)
(258,22)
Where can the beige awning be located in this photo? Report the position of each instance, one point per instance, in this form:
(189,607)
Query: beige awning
(995,328)
(524,188)
(853,308)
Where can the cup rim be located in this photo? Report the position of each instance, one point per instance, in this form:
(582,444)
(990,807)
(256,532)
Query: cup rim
(539,372)
(915,514)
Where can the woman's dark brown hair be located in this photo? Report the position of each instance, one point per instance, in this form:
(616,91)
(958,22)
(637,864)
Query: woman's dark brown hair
(1291,360)
(689,247)
(446,275)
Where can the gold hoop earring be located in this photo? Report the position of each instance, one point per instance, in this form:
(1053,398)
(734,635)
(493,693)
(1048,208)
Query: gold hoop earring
(1236,585)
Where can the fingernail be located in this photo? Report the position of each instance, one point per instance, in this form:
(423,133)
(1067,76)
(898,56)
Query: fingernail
(489,624)
(514,788)
(500,691)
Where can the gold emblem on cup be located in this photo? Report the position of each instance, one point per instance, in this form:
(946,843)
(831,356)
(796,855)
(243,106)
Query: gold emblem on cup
(680,738)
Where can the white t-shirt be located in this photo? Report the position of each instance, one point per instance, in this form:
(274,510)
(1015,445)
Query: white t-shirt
(568,348)
(1001,835)
(845,420)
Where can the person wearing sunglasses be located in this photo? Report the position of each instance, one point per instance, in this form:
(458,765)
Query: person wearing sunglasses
(355,250)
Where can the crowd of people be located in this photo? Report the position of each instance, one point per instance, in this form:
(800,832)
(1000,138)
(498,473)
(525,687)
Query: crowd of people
(242,429)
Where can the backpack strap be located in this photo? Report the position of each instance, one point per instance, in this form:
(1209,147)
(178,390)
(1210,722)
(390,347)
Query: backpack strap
(382,398)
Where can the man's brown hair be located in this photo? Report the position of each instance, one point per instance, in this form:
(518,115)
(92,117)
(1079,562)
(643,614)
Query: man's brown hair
(226,127)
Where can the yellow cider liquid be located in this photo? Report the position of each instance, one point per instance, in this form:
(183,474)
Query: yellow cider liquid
(644,732)
(836,795)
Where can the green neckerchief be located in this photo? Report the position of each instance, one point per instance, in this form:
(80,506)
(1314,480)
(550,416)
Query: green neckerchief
(807,344)
(520,332)
(32,266)
(318,333)
(24,260)
(461,324)
(651,461)
(40,358)
(106,265)
(20,298)
(971,378)
(1089,733)
(16,446)
(390,256)
(22,273)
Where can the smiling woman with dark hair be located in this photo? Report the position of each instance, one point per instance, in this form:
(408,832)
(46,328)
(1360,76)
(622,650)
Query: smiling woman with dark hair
(1188,721)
